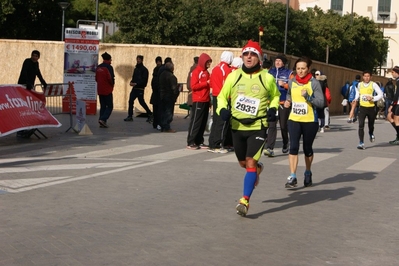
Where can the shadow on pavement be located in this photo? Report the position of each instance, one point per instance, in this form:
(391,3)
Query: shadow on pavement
(304,196)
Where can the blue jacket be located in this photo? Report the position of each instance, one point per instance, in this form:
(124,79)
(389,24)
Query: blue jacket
(283,74)
(352,92)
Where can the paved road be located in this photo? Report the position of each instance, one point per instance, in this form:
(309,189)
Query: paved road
(130,195)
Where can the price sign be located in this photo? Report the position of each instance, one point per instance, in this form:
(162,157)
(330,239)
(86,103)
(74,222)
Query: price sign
(81,48)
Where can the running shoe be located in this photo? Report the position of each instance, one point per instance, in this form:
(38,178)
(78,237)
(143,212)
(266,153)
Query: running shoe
(285,149)
(128,119)
(192,147)
(150,118)
(268,152)
(222,150)
(361,146)
(394,142)
(259,170)
(372,138)
(203,146)
(322,130)
(242,207)
(307,182)
(102,123)
(291,182)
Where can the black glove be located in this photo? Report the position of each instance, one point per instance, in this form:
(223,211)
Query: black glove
(225,114)
(271,115)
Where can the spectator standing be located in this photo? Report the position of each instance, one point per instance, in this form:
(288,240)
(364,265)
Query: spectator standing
(393,111)
(220,128)
(30,70)
(304,95)
(169,92)
(281,75)
(190,93)
(236,64)
(105,79)
(327,99)
(354,104)
(199,84)
(364,93)
(249,99)
(389,94)
(326,109)
(345,94)
(139,82)
(155,97)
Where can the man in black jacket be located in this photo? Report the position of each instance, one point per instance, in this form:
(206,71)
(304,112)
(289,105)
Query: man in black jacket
(139,82)
(30,69)
(169,91)
(155,98)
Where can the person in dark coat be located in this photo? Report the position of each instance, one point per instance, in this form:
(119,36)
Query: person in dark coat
(169,92)
(155,98)
(30,70)
(139,82)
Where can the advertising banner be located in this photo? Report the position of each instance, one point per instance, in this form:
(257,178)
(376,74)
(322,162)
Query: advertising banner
(80,114)
(21,109)
(80,62)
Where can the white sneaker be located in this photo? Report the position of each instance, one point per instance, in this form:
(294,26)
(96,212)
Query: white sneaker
(322,130)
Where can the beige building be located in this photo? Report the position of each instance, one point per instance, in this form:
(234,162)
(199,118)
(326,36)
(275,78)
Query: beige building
(383,12)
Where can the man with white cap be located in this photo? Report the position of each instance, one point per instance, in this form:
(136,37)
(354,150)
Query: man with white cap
(249,99)
(219,127)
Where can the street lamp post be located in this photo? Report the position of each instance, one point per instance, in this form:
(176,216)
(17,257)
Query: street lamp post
(260,35)
(64,6)
(286,27)
(96,26)
(384,17)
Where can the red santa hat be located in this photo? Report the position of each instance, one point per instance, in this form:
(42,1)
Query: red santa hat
(252,46)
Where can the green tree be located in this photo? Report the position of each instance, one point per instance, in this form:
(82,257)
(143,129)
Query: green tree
(31,19)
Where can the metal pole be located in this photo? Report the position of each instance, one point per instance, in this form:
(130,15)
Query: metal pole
(63,25)
(286,27)
(383,26)
(96,14)
(352,13)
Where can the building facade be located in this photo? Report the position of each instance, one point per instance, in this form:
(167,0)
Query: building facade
(383,12)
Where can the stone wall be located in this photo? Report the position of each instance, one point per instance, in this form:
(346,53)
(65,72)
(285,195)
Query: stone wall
(124,58)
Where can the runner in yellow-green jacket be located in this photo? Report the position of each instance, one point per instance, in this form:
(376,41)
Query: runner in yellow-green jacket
(249,99)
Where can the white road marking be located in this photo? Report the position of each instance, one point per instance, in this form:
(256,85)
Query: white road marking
(59,167)
(318,157)
(57,182)
(170,155)
(227,158)
(17,183)
(115,151)
(372,164)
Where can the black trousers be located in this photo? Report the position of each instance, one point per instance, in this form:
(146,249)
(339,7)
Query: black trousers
(198,118)
(219,129)
(364,112)
(283,114)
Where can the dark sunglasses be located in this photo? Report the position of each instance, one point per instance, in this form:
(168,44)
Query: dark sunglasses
(249,53)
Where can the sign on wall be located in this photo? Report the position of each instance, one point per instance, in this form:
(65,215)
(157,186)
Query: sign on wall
(80,62)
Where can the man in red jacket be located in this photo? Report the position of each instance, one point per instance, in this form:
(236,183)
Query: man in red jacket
(199,83)
(219,127)
(105,79)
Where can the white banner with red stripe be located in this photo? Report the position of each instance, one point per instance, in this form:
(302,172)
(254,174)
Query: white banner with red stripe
(54,90)
(22,109)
